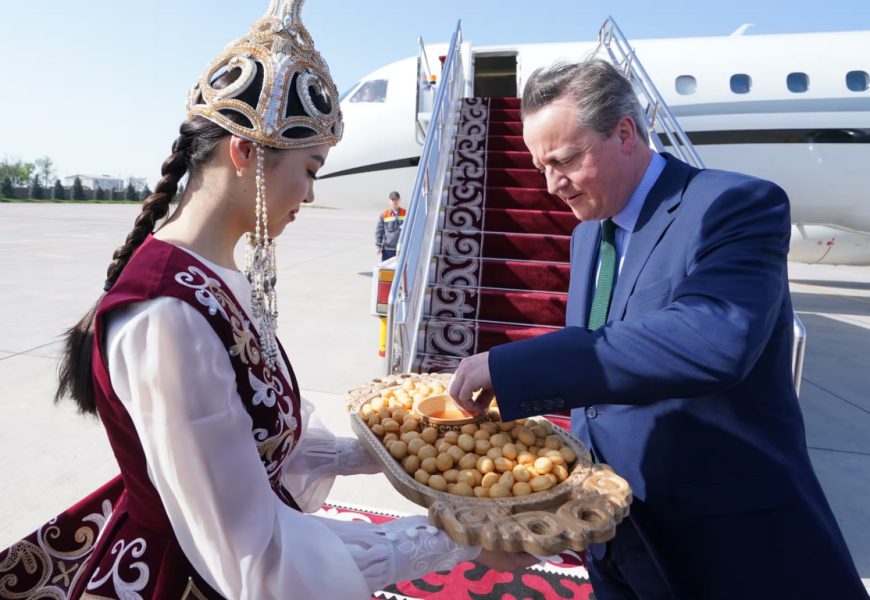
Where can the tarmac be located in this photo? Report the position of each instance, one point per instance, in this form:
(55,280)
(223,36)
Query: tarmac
(53,259)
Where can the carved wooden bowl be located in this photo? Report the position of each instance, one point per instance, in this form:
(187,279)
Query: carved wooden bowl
(583,509)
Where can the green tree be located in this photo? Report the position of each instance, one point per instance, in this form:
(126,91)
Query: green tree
(58,193)
(117,194)
(130,193)
(78,192)
(44,168)
(99,194)
(146,191)
(6,189)
(36,191)
(19,172)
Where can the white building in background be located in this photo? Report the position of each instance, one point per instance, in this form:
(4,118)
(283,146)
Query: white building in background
(139,183)
(106,182)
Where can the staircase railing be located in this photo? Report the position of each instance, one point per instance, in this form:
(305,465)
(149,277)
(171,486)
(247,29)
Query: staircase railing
(659,117)
(416,244)
(611,38)
(425,91)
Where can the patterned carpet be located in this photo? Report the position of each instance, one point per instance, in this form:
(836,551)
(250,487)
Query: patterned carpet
(501,267)
(558,578)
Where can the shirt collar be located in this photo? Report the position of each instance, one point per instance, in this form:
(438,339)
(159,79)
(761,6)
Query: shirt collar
(626,219)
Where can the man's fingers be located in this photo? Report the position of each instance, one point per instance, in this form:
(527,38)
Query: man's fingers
(484,399)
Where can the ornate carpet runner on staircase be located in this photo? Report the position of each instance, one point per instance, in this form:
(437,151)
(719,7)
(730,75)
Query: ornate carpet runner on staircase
(500,271)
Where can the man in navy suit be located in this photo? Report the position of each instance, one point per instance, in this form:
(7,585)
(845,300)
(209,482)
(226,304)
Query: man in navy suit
(675,359)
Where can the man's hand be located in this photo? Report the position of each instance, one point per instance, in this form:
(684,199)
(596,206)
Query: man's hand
(472,375)
(378,250)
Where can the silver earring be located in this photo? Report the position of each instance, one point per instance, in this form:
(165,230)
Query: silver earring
(239,172)
(261,271)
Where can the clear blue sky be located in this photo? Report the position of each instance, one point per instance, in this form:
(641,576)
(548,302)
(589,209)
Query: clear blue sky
(100,85)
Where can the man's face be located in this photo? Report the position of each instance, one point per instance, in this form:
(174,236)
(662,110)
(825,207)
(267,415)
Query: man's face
(591,173)
(394,203)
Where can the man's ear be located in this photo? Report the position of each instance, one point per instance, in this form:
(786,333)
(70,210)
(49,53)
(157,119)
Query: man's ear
(627,132)
(241,153)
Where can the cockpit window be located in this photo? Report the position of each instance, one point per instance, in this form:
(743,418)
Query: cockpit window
(345,93)
(374,90)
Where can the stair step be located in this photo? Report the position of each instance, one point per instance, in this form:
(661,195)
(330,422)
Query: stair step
(501,306)
(506,142)
(522,178)
(519,220)
(553,248)
(505,127)
(504,274)
(507,246)
(511,220)
(509,158)
(446,338)
(503,114)
(517,197)
(504,103)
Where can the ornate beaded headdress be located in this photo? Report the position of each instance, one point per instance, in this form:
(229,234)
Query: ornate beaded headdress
(297,107)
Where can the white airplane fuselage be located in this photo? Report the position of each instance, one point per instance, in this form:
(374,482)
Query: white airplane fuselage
(804,123)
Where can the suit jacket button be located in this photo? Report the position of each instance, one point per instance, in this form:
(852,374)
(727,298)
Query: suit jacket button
(591,412)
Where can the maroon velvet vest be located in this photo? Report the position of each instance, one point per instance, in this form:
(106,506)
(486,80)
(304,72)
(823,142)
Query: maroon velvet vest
(137,554)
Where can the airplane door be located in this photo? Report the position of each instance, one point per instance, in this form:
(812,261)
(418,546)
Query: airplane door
(495,75)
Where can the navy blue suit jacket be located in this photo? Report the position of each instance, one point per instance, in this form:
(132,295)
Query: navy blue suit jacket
(687,391)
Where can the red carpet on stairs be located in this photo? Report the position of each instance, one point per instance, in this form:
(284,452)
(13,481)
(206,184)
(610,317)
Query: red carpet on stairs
(513,197)
(501,263)
(524,220)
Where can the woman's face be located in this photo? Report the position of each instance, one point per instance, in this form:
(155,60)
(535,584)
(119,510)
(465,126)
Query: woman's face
(290,176)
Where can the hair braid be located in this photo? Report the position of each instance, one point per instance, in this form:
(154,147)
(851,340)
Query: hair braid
(154,208)
(195,145)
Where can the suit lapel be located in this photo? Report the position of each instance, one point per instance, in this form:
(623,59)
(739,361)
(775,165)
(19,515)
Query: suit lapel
(656,216)
(584,258)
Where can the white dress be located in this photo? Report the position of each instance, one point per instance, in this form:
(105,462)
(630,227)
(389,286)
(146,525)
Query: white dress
(203,462)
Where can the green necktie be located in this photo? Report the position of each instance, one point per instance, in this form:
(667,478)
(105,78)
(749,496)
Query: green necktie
(606,276)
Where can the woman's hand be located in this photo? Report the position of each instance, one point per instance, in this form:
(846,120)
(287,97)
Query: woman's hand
(499,560)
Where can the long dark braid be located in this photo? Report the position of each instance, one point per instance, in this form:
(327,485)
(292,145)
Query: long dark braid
(154,208)
(194,146)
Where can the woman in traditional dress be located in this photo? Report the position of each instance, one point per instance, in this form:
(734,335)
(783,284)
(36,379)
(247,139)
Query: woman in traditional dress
(219,455)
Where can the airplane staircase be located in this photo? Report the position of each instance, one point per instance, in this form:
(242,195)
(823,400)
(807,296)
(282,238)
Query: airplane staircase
(500,270)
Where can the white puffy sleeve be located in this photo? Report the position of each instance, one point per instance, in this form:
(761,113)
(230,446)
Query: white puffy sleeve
(318,458)
(176,381)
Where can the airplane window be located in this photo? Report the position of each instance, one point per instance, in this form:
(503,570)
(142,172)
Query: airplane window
(371,91)
(686,85)
(345,93)
(857,81)
(797,82)
(741,83)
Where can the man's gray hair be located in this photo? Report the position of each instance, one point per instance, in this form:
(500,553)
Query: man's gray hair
(601,94)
